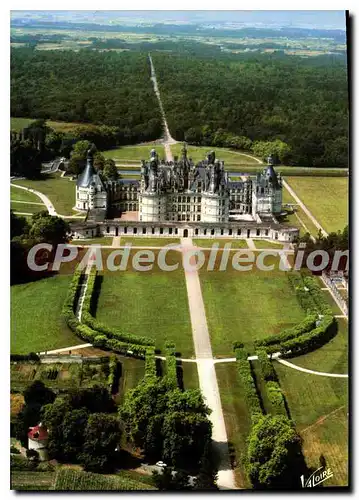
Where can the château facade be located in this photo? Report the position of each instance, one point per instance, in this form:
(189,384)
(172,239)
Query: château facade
(179,193)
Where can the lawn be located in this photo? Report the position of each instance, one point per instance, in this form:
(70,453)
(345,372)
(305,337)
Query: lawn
(27,208)
(189,374)
(17,194)
(318,405)
(17,124)
(267,244)
(247,305)
(61,191)
(134,153)
(293,219)
(236,417)
(36,323)
(101,240)
(325,197)
(132,372)
(32,481)
(207,243)
(148,242)
(152,303)
(332,357)
(198,153)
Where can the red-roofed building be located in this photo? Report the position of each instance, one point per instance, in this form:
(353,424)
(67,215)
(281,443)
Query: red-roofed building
(37,440)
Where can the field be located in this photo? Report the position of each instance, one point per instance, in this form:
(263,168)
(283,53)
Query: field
(61,191)
(134,153)
(36,323)
(189,375)
(26,208)
(247,305)
(17,124)
(267,244)
(152,303)
(229,157)
(207,243)
(332,357)
(132,372)
(325,197)
(236,416)
(148,242)
(298,219)
(17,194)
(318,405)
(101,240)
(59,375)
(32,481)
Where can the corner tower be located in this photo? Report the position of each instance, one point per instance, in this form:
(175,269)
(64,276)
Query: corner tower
(267,191)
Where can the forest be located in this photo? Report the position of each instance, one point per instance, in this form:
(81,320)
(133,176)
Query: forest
(101,88)
(259,98)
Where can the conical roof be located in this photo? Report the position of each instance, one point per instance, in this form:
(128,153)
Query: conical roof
(86,176)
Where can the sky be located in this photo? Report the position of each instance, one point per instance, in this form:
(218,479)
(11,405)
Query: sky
(325,19)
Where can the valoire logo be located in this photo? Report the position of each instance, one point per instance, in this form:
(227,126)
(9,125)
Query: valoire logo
(318,476)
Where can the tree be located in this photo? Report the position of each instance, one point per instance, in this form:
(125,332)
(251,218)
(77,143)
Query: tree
(49,229)
(38,393)
(73,427)
(171,480)
(18,225)
(206,478)
(78,156)
(110,170)
(99,161)
(102,436)
(274,455)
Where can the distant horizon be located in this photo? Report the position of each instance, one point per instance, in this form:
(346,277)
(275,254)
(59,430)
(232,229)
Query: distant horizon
(305,19)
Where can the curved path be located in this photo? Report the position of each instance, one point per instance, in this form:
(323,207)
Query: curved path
(323,374)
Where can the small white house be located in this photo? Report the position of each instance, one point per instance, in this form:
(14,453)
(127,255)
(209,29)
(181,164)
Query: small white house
(37,440)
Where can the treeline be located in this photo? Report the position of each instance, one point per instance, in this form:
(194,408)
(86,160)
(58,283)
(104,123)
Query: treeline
(110,88)
(259,98)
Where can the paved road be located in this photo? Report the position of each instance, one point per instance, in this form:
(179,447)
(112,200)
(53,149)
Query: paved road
(304,208)
(207,373)
(167,138)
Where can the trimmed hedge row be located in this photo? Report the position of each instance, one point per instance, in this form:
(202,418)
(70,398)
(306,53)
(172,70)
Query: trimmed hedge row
(325,331)
(113,374)
(266,365)
(68,309)
(32,356)
(171,364)
(93,323)
(304,297)
(245,373)
(276,397)
(318,297)
(150,363)
(305,326)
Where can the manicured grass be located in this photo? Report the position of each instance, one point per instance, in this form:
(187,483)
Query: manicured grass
(198,153)
(325,197)
(247,305)
(26,207)
(17,194)
(32,481)
(132,372)
(36,323)
(236,417)
(335,308)
(17,124)
(149,242)
(293,220)
(61,191)
(318,405)
(330,358)
(102,240)
(189,375)
(208,242)
(134,153)
(152,303)
(267,244)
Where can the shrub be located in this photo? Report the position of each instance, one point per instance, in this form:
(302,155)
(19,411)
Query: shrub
(245,373)
(305,326)
(150,363)
(113,375)
(32,356)
(171,364)
(325,331)
(276,397)
(266,365)
(318,297)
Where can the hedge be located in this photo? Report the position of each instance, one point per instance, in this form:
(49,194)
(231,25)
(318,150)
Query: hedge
(318,297)
(93,323)
(113,374)
(250,390)
(32,356)
(304,297)
(305,326)
(309,341)
(276,397)
(266,365)
(171,364)
(68,309)
(150,363)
